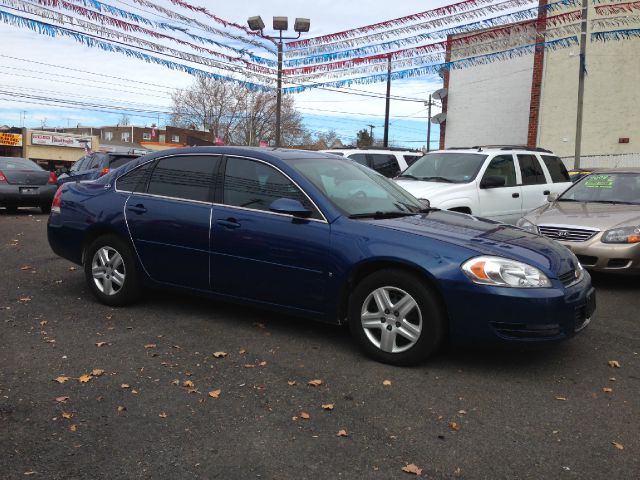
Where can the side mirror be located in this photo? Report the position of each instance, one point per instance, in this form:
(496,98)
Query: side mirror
(493,181)
(552,197)
(290,206)
(426,204)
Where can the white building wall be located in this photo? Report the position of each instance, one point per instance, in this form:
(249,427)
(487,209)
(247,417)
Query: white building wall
(489,104)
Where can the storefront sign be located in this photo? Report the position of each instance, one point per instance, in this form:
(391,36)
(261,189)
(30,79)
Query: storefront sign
(58,140)
(11,139)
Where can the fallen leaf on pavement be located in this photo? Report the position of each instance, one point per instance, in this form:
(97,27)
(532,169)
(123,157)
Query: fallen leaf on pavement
(25,299)
(607,390)
(462,412)
(67,415)
(62,399)
(242,351)
(327,406)
(563,399)
(61,379)
(175,382)
(214,393)
(121,408)
(150,345)
(124,385)
(26,267)
(162,415)
(412,468)
(249,365)
(315,382)
(263,364)
(219,354)
(305,415)
(386,382)
(619,446)
(97,372)
(259,325)
(454,426)
(342,433)
(188,384)
(291,382)
(614,363)
(72,269)
(30,472)
(73,427)
(85,378)
(102,344)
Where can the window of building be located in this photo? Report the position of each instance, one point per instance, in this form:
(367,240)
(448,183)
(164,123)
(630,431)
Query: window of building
(124,136)
(186,177)
(531,170)
(175,138)
(146,136)
(108,136)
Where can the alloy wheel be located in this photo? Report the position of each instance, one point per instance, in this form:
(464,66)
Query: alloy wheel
(108,270)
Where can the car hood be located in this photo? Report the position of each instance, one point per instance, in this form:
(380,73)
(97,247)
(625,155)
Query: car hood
(585,214)
(431,190)
(486,237)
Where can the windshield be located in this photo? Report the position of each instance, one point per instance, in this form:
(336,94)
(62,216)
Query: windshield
(605,188)
(356,190)
(446,167)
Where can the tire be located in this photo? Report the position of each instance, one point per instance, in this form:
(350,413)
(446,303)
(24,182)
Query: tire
(45,208)
(408,338)
(11,209)
(101,262)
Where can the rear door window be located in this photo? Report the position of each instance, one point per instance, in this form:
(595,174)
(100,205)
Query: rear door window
(135,180)
(410,159)
(115,162)
(531,170)
(556,168)
(188,177)
(385,164)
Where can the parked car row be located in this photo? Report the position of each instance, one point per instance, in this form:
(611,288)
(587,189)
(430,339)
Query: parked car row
(321,236)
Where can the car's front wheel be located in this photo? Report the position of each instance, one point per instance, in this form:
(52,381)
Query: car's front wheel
(111,271)
(396,318)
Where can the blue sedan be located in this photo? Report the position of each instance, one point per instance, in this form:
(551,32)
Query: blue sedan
(318,236)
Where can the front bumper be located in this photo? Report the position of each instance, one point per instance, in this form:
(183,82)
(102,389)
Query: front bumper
(495,315)
(17,196)
(607,257)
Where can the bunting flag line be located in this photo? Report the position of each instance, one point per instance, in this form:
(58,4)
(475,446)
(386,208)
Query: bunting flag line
(611,22)
(401,60)
(434,69)
(32,9)
(616,8)
(103,7)
(90,41)
(217,19)
(625,34)
(429,14)
(425,34)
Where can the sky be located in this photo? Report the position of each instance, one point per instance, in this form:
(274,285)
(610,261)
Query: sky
(35,64)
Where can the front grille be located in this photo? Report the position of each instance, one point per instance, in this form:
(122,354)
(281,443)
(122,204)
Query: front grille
(618,263)
(567,234)
(523,331)
(568,278)
(587,260)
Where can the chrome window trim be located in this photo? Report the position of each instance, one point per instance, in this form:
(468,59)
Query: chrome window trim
(324,218)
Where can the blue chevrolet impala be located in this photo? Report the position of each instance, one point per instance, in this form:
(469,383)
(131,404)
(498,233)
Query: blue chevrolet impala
(318,236)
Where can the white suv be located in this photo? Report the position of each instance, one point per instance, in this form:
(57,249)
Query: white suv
(498,182)
(387,162)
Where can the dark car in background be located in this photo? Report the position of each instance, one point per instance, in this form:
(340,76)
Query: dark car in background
(95,165)
(319,236)
(24,183)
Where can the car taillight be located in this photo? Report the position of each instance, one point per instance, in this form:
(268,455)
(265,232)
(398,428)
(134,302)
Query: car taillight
(3,179)
(53,180)
(104,171)
(57,200)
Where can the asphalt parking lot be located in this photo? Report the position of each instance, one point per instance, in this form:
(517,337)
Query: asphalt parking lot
(88,391)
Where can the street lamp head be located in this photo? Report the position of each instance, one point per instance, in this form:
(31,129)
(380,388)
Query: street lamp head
(255,23)
(302,25)
(280,23)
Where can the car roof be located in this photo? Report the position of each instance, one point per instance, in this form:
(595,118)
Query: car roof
(254,152)
(371,150)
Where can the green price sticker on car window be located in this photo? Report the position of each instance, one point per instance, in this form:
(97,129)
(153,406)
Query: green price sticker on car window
(599,181)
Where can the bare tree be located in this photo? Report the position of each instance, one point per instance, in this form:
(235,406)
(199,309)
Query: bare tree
(237,115)
(124,120)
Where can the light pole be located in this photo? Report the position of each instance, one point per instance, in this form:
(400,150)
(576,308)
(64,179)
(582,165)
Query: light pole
(281,24)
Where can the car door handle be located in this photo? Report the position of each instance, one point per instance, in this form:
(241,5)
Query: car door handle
(546,192)
(515,195)
(228,223)
(139,208)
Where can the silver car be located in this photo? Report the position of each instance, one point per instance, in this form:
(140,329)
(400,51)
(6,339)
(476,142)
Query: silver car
(598,218)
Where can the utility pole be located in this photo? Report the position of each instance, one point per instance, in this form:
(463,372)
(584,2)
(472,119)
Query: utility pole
(581,74)
(429,104)
(371,127)
(385,142)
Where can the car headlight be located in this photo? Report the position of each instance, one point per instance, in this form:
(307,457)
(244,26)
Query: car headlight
(622,235)
(502,272)
(527,226)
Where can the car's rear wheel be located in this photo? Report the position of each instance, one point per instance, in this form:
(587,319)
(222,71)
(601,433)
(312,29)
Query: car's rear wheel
(396,318)
(11,209)
(111,271)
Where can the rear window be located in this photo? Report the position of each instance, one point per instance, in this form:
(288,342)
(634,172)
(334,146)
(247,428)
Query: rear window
(385,164)
(410,159)
(531,170)
(18,164)
(556,168)
(115,162)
